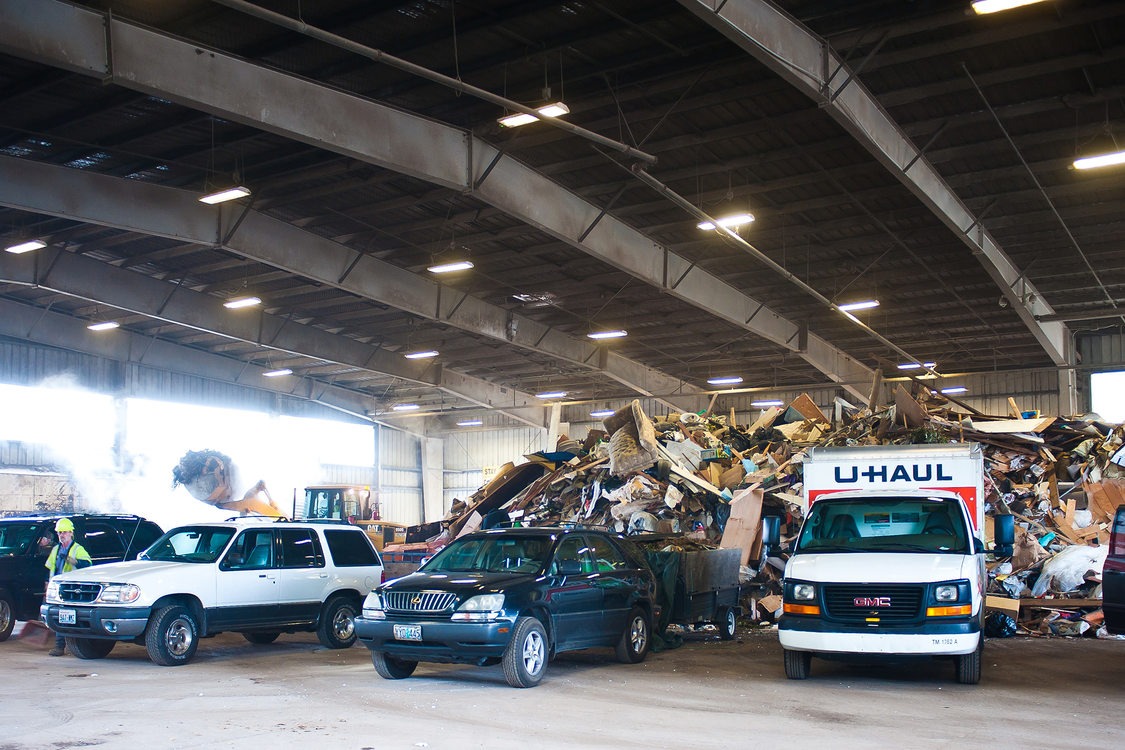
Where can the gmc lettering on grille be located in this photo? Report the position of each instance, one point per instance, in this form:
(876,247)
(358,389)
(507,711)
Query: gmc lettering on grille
(872,601)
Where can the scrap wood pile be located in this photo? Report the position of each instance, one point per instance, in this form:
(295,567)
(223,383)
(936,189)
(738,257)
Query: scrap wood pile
(711,481)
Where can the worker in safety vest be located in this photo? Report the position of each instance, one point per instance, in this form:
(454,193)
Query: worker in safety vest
(66,556)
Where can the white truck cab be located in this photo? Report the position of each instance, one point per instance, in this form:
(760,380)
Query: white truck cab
(890,558)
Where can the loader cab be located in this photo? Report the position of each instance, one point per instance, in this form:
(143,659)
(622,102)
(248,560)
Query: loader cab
(339,502)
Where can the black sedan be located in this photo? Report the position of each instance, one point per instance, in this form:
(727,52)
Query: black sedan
(516,597)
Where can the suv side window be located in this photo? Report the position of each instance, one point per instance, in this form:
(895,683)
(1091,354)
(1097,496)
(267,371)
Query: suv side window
(606,556)
(573,548)
(101,540)
(252,550)
(350,548)
(300,549)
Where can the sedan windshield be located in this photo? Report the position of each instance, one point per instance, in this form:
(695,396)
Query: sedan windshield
(885,524)
(492,554)
(16,537)
(202,544)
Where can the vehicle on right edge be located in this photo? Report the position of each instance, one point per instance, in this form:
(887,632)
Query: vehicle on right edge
(1113,576)
(890,560)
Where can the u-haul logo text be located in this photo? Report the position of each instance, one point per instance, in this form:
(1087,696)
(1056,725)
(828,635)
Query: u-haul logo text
(899,473)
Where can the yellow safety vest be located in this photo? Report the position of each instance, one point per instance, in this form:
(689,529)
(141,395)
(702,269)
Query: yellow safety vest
(75,554)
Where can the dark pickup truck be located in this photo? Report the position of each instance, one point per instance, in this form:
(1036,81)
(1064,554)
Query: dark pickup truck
(1113,576)
(515,597)
(25,543)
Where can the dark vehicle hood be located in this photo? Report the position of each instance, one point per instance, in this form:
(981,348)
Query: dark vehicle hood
(464,584)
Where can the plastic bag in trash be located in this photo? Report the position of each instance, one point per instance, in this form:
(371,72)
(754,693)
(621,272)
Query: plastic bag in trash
(1066,571)
(999,625)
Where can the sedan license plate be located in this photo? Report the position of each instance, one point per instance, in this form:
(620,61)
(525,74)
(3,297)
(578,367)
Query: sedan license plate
(66,617)
(408,632)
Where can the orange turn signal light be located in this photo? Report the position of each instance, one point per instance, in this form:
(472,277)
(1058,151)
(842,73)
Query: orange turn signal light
(964,609)
(801,609)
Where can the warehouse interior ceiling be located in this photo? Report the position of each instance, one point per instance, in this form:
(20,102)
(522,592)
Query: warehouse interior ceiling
(959,211)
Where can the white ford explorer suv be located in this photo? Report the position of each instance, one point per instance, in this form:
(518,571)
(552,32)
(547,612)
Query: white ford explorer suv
(257,578)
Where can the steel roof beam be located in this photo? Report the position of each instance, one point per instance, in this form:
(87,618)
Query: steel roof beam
(30,323)
(149,61)
(806,61)
(85,278)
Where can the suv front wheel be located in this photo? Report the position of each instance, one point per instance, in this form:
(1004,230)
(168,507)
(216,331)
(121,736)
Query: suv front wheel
(337,623)
(525,658)
(172,636)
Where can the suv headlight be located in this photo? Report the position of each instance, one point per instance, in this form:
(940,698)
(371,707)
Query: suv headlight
(118,593)
(52,595)
(373,608)
(482,607)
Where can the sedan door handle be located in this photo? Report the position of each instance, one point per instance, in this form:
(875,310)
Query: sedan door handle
(323,575)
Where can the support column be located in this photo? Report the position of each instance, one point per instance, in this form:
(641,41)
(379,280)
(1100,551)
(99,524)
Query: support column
(554,427)
(433,478)
(1068,383)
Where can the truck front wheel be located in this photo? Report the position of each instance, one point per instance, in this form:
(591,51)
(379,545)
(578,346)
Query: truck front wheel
(968,665)
(172,636)
(797,664)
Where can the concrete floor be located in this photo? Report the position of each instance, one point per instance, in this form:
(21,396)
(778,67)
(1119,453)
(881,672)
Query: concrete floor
(708,694)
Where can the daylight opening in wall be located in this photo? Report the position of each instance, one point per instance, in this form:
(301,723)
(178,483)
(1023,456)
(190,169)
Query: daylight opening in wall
(1107,395)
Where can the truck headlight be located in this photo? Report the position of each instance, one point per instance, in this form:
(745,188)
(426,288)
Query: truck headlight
(52,594)
(373,608)
(804,592)
(482,607)
(118,593)
(947,592)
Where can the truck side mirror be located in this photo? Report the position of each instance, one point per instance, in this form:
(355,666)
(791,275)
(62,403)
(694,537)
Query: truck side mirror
(771,533)
(1004,528)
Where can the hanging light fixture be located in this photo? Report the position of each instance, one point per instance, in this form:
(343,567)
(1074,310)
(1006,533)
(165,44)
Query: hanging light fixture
(730,380)
(227,194)
(106,325)
(597,335)
(1103,160)
(238,303)
(470,423)
(25,247)
(732,221)
(278,373)
(421,355)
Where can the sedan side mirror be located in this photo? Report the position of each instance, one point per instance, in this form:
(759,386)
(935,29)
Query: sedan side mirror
(1004,528)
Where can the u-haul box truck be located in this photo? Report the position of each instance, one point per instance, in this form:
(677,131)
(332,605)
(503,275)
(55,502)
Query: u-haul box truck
(890,558)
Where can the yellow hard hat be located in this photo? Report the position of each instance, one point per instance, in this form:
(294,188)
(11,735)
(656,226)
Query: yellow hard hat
(64,524)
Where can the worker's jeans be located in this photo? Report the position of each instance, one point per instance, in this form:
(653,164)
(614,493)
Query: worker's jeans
(60,641)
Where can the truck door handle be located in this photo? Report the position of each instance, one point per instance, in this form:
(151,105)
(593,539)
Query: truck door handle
(323,575)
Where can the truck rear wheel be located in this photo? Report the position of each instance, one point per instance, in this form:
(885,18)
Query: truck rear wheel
(261,637)
(337,623)
(797,664)
(968,665)
(7,615)
(89,648)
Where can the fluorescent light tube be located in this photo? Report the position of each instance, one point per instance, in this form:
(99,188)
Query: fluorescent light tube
(239,303)
(735,220)
(405,407)
(108,325)
(278,373)
(26,247)
(915,365)
(1090,162)
(514,121)
(865,305)
(551,394)
(470,423)
(767,403)
(603,413)
(726,381)
(460,265)
(607,334)
(420,355)
(995,6)
(225,195)
(554,110)
(955,389)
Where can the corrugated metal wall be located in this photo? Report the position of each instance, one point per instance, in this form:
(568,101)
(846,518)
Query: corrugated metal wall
(468,452)
(15,453)
(400,475)
(1104,351)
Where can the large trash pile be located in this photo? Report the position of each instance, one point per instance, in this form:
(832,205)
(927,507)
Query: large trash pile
(706,481)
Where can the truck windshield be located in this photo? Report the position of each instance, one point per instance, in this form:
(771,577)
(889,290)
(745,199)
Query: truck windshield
(492,554)
(202,544)
(885,524)
(16,537)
